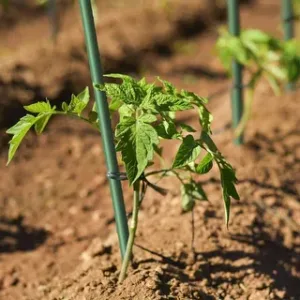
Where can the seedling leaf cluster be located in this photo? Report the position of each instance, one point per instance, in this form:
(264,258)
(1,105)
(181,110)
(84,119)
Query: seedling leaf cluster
(264,57)
(147,116)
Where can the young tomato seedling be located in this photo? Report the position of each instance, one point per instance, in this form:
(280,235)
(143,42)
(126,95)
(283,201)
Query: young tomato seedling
(263,56)
(147,115)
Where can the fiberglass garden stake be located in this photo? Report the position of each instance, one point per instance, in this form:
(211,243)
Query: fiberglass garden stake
(104,123)
(288,25)
(237,88)
(53,18)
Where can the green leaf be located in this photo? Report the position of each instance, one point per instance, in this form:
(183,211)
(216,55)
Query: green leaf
(65,106)
(78,103)
(187,201)
(193,97)
(39,107)
(227,180)
(19,131)
(189,193)
(136,144)
(124,126)
(167,130)
(276,71)
(186,127)
(41,122)
(126,110)
(198,192)
(256,36)
(129,92)
(114,105)
(147,118)
(206,164)
(188,151)
(205,118)
(168,87)
(166,102)
(84,96)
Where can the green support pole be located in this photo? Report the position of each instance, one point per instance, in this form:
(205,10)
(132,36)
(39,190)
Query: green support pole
(237,89)
(104,123)
(53,18)
(288,25)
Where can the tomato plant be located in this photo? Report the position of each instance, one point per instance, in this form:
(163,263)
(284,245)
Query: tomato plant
(264,57)
(147,115)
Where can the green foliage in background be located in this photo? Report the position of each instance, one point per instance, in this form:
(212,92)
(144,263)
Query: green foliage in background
(264,57)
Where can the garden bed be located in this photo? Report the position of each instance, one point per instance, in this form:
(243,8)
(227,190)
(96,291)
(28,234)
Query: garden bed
(58,237)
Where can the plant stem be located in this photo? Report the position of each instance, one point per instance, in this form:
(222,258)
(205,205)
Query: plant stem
(247,113)
(57,112)
(132,231)
(157,172)
(193,232)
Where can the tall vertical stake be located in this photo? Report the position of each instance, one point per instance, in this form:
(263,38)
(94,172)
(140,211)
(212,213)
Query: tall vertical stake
(104,122)
(53,19)
(287,15)
(237,88)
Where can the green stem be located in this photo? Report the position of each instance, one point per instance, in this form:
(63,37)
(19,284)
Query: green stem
(95,125)
(247,113)
(157,172)
(248,103)
(132,231)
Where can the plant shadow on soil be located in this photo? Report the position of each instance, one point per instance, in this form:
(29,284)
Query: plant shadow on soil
(15,236)
(270,258)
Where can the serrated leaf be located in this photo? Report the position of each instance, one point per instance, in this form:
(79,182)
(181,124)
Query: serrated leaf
(166,102)
(129,92)
(188,151)
(19,131)
(168,86)
(39,107)
(148,102)
(146,137)
(206,164)
(137,147)
(193,97)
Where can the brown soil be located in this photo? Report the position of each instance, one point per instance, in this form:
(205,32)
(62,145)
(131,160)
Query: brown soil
(57,235)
